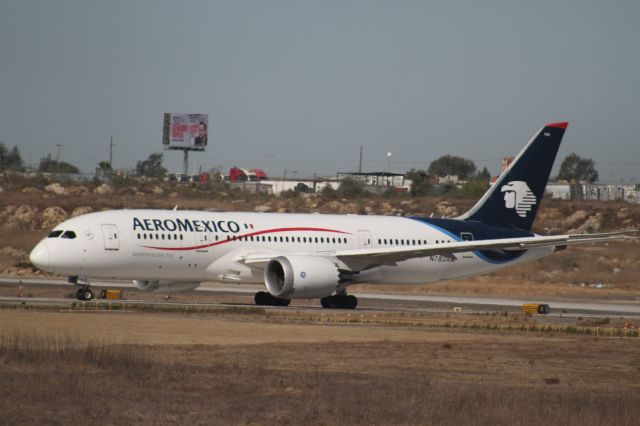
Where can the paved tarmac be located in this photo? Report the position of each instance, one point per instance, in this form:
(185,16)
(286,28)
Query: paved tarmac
(388,301)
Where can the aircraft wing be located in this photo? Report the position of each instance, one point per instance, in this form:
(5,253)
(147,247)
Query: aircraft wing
(362,259)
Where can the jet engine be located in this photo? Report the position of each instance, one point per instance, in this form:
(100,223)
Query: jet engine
(170,286)
(300,277)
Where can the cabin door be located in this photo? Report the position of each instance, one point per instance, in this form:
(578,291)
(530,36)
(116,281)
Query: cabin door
(110,236)
(364,238)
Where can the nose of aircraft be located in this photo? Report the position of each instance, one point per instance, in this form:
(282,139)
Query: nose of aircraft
(39,256)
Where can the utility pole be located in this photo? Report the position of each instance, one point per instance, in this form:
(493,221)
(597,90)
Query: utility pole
(59,151)
(360,165)
(111,145)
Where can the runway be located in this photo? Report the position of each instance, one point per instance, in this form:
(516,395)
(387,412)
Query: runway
(369,301)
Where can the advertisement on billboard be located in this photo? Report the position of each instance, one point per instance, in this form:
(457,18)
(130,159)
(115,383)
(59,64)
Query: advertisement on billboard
(185,131)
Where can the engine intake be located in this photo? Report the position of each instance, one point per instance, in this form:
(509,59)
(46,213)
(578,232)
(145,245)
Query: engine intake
(289,277)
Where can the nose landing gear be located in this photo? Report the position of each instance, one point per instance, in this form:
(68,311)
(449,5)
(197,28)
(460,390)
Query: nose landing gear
(84,293)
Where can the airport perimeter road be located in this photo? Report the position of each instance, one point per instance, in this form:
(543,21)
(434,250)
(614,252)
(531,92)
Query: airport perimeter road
(616,307)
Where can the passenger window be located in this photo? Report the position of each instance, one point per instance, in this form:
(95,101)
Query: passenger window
(70,235)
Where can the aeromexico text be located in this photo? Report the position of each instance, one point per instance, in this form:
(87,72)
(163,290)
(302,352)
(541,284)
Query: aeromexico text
(185,225)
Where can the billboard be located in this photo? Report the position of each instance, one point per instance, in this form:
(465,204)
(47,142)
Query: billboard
(185,131)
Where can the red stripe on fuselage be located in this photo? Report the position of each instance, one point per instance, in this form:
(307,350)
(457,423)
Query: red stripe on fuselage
(267,231)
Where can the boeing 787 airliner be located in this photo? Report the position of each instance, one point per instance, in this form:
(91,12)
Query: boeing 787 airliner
(313,255)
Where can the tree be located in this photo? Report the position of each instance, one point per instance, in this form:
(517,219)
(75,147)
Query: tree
(483,175)
(351,188)
(450,165)
(151,167)
(474,188)
(575,170)
(10,159)
(49,165)
(420,183)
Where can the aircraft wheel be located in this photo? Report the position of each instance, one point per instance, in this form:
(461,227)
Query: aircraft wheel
(327,302)
(88,294)
(351,302)
(80,294)
(282,302)
(261,298)
(339,301)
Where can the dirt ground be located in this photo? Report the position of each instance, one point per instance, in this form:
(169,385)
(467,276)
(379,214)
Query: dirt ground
(161,368)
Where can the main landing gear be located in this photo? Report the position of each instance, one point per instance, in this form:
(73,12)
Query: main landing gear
(339,301)
(262,298)
(84,293)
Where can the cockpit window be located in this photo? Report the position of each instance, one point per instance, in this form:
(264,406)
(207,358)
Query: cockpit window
(69,234)
(54,234)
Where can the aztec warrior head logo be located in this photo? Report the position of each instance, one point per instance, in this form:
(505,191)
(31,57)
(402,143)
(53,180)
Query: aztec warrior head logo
(518,196)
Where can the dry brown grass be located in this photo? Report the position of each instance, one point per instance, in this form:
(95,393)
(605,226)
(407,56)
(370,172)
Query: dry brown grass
(242,371)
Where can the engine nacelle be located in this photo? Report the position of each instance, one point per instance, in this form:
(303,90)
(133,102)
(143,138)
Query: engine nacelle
(288,277)
(169,286)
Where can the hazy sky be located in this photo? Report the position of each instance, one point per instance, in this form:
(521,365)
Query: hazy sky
(301,85)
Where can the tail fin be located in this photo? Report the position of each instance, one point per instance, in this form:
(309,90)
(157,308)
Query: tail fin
(514,199)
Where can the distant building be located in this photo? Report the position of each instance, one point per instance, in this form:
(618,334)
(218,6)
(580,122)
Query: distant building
(448,179)
(386,179)
(596,192)
(278,186)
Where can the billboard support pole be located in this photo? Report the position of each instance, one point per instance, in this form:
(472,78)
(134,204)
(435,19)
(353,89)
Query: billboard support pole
(185,167)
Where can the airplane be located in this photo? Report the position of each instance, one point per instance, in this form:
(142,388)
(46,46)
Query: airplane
(314,255)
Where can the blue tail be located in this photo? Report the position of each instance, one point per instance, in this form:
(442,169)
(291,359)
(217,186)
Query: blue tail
(513,201)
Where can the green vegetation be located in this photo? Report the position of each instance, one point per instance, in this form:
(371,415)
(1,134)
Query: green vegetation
(450,165)
(151,167)
(10,159)
(49,165)
(420,183)
(575,169)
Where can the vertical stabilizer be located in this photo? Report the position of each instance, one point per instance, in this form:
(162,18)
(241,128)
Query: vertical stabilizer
(514,199)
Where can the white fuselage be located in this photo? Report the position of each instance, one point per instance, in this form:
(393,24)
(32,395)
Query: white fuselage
(195,246)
